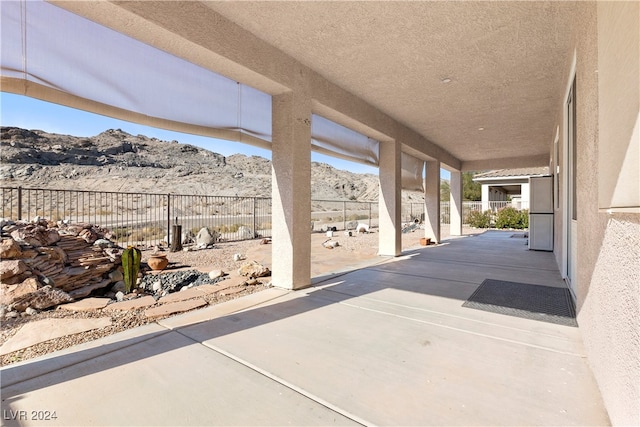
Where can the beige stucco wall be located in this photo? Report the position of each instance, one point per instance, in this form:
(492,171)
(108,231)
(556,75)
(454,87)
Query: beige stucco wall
(619,101)
(608,265)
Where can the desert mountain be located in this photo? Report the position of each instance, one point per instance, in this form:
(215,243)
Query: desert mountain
(117,161)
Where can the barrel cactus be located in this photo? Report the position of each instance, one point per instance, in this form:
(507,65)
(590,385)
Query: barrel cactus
(131,265)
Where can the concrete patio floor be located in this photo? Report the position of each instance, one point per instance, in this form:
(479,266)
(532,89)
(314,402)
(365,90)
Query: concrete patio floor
(389,344)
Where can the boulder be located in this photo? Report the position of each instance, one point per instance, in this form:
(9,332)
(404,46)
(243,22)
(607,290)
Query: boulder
(41,299)
(330,244)
(116,275)
(10,249)
(205,237)
(10,293)
(214,274)
(118,287)
(19,278)
(245,232)
(89,235)
(362,228)
(253,269)
(104,243)
(188,237)
(114,254)
(36,235)
(10,268)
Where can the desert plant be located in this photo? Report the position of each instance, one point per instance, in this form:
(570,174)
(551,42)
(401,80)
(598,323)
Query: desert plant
(509,217)
(130,266)
(524,218)
(479,219)
(356,217)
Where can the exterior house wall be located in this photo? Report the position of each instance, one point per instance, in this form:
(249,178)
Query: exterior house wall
(608,245)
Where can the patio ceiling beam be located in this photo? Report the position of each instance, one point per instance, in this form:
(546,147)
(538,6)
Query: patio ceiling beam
(507,163)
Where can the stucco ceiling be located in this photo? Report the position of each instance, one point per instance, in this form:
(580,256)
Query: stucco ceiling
(505,62)
(483,80)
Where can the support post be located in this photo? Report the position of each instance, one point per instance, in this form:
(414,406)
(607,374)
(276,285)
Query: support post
(432,201)
(291,190)
(390,238)
(486,197)
(455,205)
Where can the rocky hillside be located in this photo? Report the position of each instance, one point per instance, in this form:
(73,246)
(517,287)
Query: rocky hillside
(117,161)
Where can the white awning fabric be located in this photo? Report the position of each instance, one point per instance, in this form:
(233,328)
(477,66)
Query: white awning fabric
(46,47)
(54,55)
(412,173)
(337,140)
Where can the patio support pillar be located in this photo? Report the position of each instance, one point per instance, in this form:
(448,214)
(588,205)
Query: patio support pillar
(485,197)
(455,207)
(390,238)
(291,190)
(432,201)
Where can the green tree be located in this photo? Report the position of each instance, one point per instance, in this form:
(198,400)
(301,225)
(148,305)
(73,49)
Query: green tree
(445,190)
(471,190)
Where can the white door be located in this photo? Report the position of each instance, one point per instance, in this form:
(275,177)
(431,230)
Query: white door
(571,214)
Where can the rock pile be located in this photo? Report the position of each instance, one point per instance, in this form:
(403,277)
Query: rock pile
(45,263)
(162,284)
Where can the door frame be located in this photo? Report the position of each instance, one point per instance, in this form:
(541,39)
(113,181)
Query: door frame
(566,222)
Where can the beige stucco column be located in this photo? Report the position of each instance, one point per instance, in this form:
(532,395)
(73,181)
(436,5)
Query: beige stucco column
(432,201)
(486,197)
(455,204)
(390,239)
(291,191)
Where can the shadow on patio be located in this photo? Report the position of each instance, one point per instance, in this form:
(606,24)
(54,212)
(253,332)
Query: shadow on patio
(385,345)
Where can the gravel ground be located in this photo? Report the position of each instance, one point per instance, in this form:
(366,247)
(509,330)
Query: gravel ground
(205,260)
(221,257)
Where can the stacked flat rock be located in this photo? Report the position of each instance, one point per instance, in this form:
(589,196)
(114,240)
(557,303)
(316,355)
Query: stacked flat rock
(64,262)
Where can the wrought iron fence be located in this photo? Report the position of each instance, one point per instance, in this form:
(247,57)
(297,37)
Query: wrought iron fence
(147,218)
(143,218)
(413,211)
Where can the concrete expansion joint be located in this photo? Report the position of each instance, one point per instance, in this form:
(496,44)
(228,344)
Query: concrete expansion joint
(289,385)
(493,337)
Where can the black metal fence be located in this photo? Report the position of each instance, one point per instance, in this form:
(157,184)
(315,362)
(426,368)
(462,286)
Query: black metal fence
(147,218)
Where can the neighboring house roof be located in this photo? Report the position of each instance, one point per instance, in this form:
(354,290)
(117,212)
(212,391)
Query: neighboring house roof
(512,173)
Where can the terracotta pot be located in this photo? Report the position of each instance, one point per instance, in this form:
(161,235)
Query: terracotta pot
(158,262)
(424,241)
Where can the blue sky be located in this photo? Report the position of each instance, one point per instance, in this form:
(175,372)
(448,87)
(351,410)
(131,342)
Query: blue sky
(30,113)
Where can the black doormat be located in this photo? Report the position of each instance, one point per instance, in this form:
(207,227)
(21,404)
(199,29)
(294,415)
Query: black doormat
(536,302)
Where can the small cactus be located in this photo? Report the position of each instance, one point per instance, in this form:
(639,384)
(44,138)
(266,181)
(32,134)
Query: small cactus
(131,265)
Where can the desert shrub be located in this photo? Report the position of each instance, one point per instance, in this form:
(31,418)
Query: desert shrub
(524,218)
(119,233)
(228,228)
(356,217)
(104,212)
(510,217)
(479,219)
(146,233)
